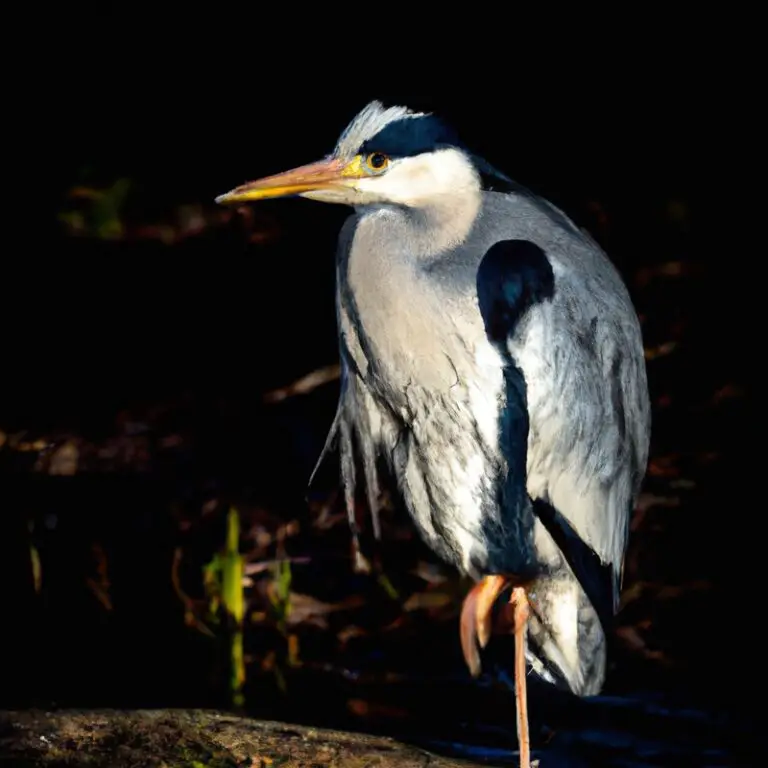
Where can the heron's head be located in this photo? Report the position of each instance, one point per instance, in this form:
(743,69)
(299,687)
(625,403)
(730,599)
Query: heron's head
(386,156)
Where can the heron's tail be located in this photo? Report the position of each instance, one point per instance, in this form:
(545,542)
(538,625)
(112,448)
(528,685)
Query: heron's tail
(567,642)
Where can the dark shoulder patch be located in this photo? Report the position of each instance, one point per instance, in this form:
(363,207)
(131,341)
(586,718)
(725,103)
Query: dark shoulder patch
(411,136)
(512,277)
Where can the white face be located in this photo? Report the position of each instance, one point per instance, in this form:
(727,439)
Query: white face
(414,182)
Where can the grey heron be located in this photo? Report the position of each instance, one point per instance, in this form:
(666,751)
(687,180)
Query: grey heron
(493,373)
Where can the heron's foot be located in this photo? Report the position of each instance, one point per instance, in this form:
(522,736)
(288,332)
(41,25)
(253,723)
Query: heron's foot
(476,621)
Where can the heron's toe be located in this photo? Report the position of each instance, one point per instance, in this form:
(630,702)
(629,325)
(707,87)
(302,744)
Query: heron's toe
(477,617)
(468,632)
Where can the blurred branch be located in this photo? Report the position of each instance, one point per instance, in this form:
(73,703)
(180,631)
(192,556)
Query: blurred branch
(191,618)
(100,584)
(251,569)
(305,384)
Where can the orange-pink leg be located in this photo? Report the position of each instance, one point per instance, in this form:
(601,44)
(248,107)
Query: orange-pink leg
(475,628)
(521,611)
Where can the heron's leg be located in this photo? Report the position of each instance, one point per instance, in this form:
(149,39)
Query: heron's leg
(521,611)
(475,626)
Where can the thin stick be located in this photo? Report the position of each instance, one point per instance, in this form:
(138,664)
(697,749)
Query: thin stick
(305,384)
(521,612)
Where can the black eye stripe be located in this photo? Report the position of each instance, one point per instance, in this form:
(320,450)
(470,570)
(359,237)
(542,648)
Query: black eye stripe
(411,136)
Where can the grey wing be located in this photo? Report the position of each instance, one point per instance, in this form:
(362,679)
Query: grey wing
(583,362)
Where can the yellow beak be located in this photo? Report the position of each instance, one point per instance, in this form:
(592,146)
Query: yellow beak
(330,173)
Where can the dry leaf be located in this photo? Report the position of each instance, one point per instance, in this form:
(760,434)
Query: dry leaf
(305,608)
(425,600)
(64,460)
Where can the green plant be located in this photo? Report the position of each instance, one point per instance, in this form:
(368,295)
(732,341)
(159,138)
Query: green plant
(224,582)
(98,212)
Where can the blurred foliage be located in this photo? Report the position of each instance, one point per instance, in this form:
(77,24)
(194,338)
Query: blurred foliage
(223,578)
(95,209)
(97,212)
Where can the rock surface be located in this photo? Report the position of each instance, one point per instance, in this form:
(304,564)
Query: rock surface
(192,739)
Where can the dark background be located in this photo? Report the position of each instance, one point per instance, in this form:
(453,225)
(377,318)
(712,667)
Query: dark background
(153,358)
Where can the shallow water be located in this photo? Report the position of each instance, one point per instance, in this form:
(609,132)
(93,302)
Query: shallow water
(632,732)
(476,720)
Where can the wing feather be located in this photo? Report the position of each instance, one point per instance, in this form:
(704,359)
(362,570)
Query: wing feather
(582,358)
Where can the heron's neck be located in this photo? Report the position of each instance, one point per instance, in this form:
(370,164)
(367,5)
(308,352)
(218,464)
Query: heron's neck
(396,303)
(429,228)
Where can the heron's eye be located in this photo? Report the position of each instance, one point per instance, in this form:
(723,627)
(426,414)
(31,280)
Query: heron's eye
(376,161)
